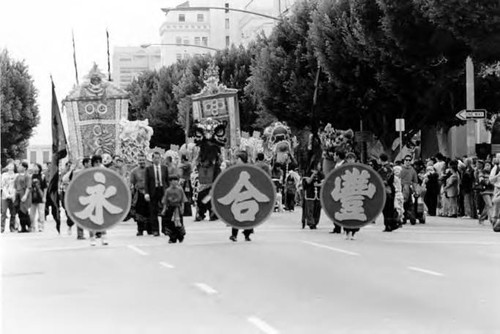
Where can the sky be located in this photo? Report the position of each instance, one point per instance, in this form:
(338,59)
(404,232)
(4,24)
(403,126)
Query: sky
(39,32)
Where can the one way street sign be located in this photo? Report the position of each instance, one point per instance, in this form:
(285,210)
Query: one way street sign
(471,114)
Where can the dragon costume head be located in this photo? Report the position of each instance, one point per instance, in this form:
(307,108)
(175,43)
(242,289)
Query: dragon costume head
(278,142)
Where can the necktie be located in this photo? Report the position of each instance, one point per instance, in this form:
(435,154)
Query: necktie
(158,179)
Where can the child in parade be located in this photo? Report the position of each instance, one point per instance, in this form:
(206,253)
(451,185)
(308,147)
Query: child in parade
(173,202)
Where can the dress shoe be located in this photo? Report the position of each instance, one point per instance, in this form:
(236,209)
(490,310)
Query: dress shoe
(140,234)
(171,241)
(156,234)
(232,238)
(248,239)
(181,239)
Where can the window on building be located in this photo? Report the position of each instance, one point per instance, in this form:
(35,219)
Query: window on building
(200,18)
(32,157)
(178,56)
(182,18)
(125,59)
(196,41)
(186,55)
(178,40)
(46,156)
(227,23)
(228,41)
(204,41)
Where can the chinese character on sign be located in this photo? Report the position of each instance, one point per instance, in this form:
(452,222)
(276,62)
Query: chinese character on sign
(351,189)
(96,201)
(244,197)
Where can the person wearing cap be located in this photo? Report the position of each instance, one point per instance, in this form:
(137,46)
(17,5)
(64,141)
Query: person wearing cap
(173,207)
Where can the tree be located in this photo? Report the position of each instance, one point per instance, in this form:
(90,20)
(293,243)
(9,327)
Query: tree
(284,71)
(18,104)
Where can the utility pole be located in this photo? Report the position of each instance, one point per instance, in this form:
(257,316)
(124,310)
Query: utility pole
(472,125)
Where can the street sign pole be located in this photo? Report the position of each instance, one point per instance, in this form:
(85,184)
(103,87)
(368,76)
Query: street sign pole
(400,127)
(472,125)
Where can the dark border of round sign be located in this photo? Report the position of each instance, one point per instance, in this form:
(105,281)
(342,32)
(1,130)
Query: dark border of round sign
(214,207)
(345,166)
(90,170)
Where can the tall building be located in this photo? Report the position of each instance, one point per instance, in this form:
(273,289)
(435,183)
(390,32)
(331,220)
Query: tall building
(131,61)
(189,30)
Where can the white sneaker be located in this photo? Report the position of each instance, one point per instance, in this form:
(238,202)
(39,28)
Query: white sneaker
(104,240)
(92,241)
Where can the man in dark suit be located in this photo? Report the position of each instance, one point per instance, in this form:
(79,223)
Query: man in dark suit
(156,181)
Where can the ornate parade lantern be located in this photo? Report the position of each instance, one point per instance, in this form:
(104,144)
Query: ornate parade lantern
(94,110)
(217,102)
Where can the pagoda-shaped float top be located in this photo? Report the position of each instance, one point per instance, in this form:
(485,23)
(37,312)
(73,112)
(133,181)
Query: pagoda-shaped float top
(212,85)
(95,87)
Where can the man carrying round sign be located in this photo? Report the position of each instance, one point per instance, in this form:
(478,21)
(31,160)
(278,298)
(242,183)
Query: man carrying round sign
(97,199)
(353,195)
(243,196)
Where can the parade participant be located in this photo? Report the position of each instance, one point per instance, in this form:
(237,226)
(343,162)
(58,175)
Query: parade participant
(409,181)
(261,163)
(38,194)
(96,161)
(156,181)
(173,202)
(86,163)
(22,185)
(311,185)
(339,159)
(67,176)
(292,180)
(139,204)
(9,196)
(350,232)
(391,221)
(185,170)
(241,158)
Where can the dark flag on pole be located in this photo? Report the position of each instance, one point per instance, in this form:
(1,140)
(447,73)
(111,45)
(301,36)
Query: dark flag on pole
(59,151)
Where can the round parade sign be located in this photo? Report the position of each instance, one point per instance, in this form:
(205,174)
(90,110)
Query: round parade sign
(353,195)
(97,199)
(243,196)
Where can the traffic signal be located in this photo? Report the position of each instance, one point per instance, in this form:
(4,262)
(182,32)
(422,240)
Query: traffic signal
(227,7)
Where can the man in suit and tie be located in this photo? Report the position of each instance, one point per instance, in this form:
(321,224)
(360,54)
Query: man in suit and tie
(156,181)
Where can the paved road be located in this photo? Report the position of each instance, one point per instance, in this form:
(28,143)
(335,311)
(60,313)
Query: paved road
(442,277)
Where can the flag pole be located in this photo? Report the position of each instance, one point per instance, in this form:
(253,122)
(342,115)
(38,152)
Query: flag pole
(109,63)
(74,57)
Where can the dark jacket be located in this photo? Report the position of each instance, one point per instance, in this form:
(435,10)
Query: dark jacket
(150,186)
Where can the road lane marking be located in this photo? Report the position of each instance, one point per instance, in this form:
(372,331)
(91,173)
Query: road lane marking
(446,242)
(137,250)
(425,271)
(167,265)
(331,248)
(262,325)
(206,288)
